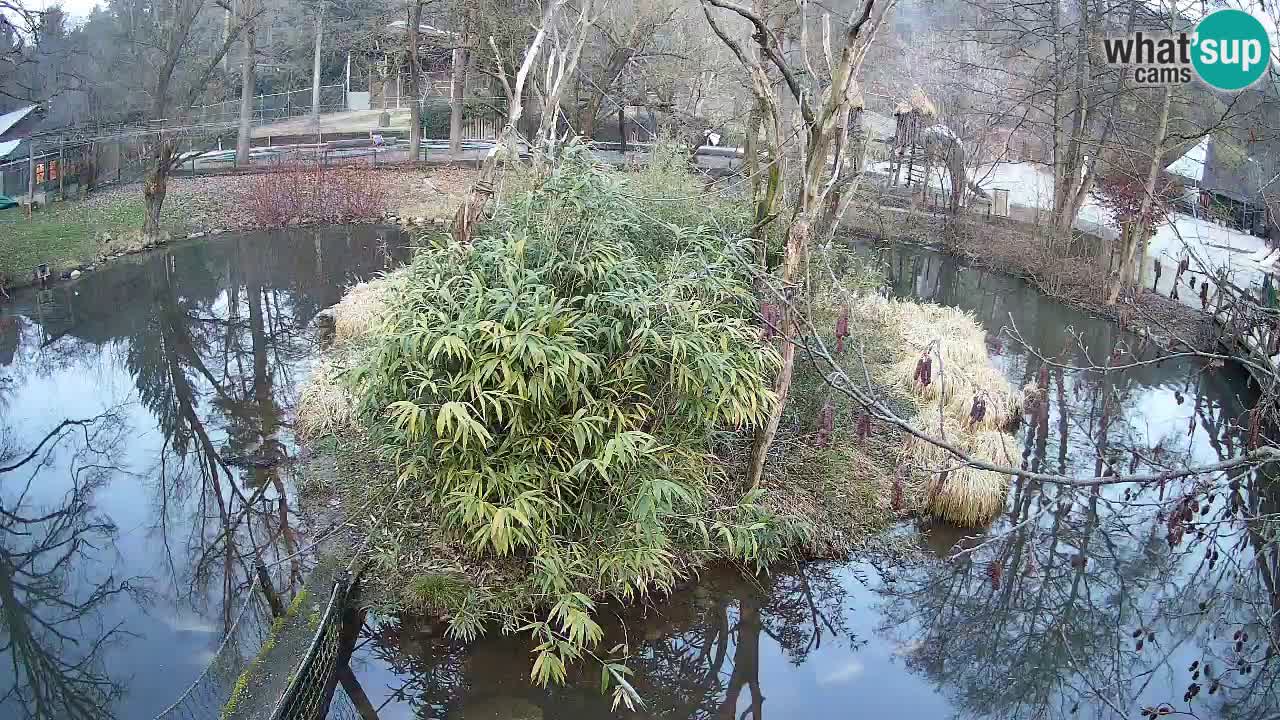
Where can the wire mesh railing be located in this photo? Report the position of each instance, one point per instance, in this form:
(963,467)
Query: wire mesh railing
(207,696)
(275,106)
(311,689)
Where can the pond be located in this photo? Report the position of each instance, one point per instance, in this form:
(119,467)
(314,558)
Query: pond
(147,460)
(129,536)
(1074,604)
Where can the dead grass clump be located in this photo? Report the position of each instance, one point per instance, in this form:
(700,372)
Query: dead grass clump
(364,307)
(325,404)
(961,367)
(961,376)
(960,494)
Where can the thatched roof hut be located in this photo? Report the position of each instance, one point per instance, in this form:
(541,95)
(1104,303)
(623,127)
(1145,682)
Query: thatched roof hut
(918,103)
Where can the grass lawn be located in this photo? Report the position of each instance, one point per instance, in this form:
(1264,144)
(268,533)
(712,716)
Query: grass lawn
(64,233)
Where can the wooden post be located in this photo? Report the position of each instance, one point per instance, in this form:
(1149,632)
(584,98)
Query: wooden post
(31,174)
(62,169)
(622,131)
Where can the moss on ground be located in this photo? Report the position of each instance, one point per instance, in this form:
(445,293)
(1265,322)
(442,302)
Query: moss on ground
(241,688)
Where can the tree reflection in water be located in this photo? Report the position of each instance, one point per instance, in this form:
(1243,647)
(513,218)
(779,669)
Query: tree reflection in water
(205,341)
(52,633)
(1074,604)
(696,656)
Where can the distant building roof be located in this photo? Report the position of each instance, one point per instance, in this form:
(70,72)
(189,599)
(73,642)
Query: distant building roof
(8,120)
(7,147)
(1219,167)
(423,29)
(1191,165)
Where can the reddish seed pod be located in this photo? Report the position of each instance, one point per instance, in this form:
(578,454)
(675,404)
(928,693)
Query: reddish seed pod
(864,426)
(924,370)
(979,411)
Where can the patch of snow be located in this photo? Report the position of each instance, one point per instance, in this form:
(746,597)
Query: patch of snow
(1211,248)
(941,130)
(7,147)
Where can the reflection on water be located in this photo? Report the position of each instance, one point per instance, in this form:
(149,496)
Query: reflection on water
(129,529)
(1079,602)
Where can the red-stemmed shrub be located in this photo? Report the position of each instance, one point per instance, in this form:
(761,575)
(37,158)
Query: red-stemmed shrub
(304,193)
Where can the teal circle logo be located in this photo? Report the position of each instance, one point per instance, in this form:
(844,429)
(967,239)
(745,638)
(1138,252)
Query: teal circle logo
(1231,49)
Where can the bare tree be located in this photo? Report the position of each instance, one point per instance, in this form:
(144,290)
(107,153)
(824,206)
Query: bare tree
(167,46)
(566,41)
(824,108)
(458,81)
(415,71)
(248,74)
(315,67)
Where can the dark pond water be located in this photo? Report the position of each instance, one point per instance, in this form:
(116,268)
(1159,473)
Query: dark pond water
(127,538)
(1038,617)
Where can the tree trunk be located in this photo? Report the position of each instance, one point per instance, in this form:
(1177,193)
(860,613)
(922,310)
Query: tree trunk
(1135,237)
(797,244)
(155,188)
(587,121)
(315,68)
(415,102)
(457,97)
(247,82)
(751,160)
(1149,190)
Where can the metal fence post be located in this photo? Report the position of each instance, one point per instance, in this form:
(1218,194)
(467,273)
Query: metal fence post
(31,174)
(62,170)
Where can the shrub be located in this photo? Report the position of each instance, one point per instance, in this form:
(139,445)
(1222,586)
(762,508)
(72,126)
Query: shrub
(553,390)
(312,193)
(436,113)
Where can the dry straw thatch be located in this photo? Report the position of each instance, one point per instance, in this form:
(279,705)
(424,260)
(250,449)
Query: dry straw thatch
(325,404)
(918,102)
(362,308)
(962,369)
(961,372)
(960,494)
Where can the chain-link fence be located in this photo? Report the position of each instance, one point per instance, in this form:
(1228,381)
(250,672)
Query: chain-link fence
(311,689)
(276,106)
(207,696)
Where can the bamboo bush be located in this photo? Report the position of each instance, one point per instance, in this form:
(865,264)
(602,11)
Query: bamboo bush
(553,388)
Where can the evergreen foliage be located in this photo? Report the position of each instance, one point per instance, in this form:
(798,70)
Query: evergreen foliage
(555,390)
